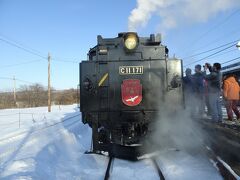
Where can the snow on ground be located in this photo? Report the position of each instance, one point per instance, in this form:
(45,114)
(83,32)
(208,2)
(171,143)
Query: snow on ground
(124,170)
(52,146)
(187,166)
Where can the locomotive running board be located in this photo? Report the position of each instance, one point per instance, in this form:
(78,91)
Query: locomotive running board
(119,151)
(132,153)
(98,153)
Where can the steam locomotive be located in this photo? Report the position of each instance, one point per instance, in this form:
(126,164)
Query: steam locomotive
(123,85)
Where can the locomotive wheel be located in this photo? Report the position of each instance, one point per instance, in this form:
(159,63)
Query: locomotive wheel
(103,136)
(95,142)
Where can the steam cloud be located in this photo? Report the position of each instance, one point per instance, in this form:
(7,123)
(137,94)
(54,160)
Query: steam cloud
(178,131)
(175,12)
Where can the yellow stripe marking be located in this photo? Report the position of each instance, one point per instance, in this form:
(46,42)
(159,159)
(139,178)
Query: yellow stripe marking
(103,79)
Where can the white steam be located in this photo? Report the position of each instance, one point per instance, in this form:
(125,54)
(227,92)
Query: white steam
(175,128)
(175,12)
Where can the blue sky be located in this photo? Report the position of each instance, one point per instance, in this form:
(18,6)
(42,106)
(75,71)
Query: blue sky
(67,29)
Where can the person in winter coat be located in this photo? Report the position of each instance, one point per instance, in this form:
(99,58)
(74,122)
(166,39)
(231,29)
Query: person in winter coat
(188,89)
(198,92)
(214,80)
(231,91)
(206,97)
(187,81)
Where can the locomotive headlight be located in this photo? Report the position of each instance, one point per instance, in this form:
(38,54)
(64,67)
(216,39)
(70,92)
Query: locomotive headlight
(130,41)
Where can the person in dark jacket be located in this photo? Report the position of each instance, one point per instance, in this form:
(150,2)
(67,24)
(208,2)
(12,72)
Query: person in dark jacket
(198,92)
(214,80)
(188,89)
(206,97)
(187,81)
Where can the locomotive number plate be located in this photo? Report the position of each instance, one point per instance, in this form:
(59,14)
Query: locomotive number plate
(124,70)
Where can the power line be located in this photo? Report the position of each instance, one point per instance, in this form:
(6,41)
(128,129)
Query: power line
(214,27)
(235,31)
(31,50)
(19,64)
(220,23)
(210,55)
(25,81)
(23,48)
(8,78)
(19,43)
(34,53)
(197,54)
(66,61)
(223,53)
(231,60)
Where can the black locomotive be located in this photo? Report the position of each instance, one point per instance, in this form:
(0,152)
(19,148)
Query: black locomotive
(123,85)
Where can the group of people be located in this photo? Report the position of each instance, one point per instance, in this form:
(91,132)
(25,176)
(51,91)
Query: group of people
(205,88)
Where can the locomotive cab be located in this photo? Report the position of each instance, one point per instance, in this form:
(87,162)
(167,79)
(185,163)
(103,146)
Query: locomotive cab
(123,85)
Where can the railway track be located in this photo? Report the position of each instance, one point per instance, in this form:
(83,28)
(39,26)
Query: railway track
(224,142)
(107,173)
(160,174)
(111,162)
(224,169)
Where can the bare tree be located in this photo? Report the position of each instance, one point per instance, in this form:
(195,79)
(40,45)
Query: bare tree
(35,95)
(6,100)
(66,97)
(32,96)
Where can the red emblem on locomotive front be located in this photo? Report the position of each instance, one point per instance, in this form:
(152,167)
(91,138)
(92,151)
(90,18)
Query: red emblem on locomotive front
(131,92)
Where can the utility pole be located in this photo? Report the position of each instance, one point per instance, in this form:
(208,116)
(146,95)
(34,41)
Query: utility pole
(49,84)
(14,91)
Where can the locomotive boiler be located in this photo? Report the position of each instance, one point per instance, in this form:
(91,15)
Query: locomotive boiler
(123,85)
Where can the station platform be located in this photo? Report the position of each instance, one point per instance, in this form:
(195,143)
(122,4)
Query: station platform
(235,124)
(224,139)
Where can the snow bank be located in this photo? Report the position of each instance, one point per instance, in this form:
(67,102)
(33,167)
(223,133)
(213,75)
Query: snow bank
(53,145)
